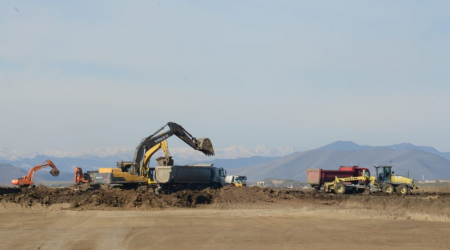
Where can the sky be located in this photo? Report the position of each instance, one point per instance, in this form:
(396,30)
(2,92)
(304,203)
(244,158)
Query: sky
(78,75)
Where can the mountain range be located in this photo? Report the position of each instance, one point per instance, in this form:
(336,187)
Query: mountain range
(420,162)
(107,157)
(256,163)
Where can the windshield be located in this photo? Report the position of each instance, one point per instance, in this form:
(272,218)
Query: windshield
(242,179)
(222,173)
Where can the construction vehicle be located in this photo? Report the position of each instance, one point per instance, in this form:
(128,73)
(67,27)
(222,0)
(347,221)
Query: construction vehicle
(388,182)
(236,180)
(81,178)
(138,172)
(348,184)
(27,180)
(318,177)
(196,177)
(385,181)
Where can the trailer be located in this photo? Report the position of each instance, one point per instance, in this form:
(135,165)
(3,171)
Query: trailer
(195,177)
(317,178)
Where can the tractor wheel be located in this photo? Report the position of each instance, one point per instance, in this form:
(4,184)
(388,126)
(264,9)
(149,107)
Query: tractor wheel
(339,188)
(388,188)
(402,189)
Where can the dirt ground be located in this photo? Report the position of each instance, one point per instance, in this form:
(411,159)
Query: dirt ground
(248,218)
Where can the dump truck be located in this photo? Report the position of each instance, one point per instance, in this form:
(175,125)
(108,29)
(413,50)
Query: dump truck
(195,177)
(355,179)
(318,177)
(236,180)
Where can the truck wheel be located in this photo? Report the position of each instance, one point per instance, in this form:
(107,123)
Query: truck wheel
(388,188)
(402,189)
(339,188)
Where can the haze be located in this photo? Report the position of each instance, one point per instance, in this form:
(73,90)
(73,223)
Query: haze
(77,75)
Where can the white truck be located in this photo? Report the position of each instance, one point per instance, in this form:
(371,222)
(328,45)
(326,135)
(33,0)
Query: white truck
(236,180)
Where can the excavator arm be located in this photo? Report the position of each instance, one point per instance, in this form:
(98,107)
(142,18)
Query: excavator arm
(145,169)
(203,144)
(28,179)
(47,163)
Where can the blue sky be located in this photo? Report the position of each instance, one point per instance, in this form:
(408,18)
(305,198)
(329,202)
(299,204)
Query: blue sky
(76,75)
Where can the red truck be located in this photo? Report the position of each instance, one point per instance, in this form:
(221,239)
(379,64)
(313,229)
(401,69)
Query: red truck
(317,177)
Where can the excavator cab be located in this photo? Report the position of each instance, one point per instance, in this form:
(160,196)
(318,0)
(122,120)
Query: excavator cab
(125,166)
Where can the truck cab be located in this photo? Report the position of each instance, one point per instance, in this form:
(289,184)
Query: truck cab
(236,180)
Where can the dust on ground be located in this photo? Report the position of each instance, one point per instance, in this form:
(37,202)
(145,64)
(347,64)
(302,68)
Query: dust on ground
(433,206)
(244,217)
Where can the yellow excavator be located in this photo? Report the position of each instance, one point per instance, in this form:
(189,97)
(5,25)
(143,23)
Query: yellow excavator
(138,172)
(385,180)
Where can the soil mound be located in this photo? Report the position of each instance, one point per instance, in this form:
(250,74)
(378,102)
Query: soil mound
(227,197)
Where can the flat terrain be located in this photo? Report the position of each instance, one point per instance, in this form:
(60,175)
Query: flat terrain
(247,218)
(267,228)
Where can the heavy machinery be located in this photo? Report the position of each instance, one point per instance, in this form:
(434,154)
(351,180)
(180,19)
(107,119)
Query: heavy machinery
(236,180)
(27,180)
(138,171)
(385,180)
(318,177)
(348,184)
(388,182)
(81,178)
(199,176)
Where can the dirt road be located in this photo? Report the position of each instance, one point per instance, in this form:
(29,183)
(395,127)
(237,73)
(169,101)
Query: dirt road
(268,228)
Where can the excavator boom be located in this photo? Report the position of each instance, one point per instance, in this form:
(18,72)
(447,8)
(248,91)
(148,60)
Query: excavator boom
(203,144)
(28,179)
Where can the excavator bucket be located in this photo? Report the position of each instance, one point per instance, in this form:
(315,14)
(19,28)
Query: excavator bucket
(54,172)
(205,145)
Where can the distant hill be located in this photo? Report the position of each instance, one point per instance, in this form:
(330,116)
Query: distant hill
(240,162)
(351,146)
(9,172)
(107,157)
(294,166)
(257,163)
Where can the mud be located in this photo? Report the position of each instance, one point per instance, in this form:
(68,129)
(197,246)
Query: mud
(434,203)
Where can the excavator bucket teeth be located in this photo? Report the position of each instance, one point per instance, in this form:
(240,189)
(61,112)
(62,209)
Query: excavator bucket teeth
(54,172)
(205,145)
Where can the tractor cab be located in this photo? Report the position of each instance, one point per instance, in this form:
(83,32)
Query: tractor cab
(383,174)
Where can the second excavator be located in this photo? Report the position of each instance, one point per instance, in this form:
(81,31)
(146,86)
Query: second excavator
(27,180)
(138,172)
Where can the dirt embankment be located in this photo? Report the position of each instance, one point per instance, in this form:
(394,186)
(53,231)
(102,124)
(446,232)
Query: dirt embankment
(227,197)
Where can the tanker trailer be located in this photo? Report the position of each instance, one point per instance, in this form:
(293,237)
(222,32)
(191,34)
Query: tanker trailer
(196,177)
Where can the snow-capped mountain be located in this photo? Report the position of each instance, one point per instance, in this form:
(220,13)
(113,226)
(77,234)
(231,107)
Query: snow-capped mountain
(125,153)
(9,155)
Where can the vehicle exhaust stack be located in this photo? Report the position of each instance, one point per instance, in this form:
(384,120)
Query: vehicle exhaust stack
(205,145)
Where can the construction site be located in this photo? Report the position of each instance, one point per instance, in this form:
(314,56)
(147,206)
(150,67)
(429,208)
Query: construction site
(224,125)
(135,205)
